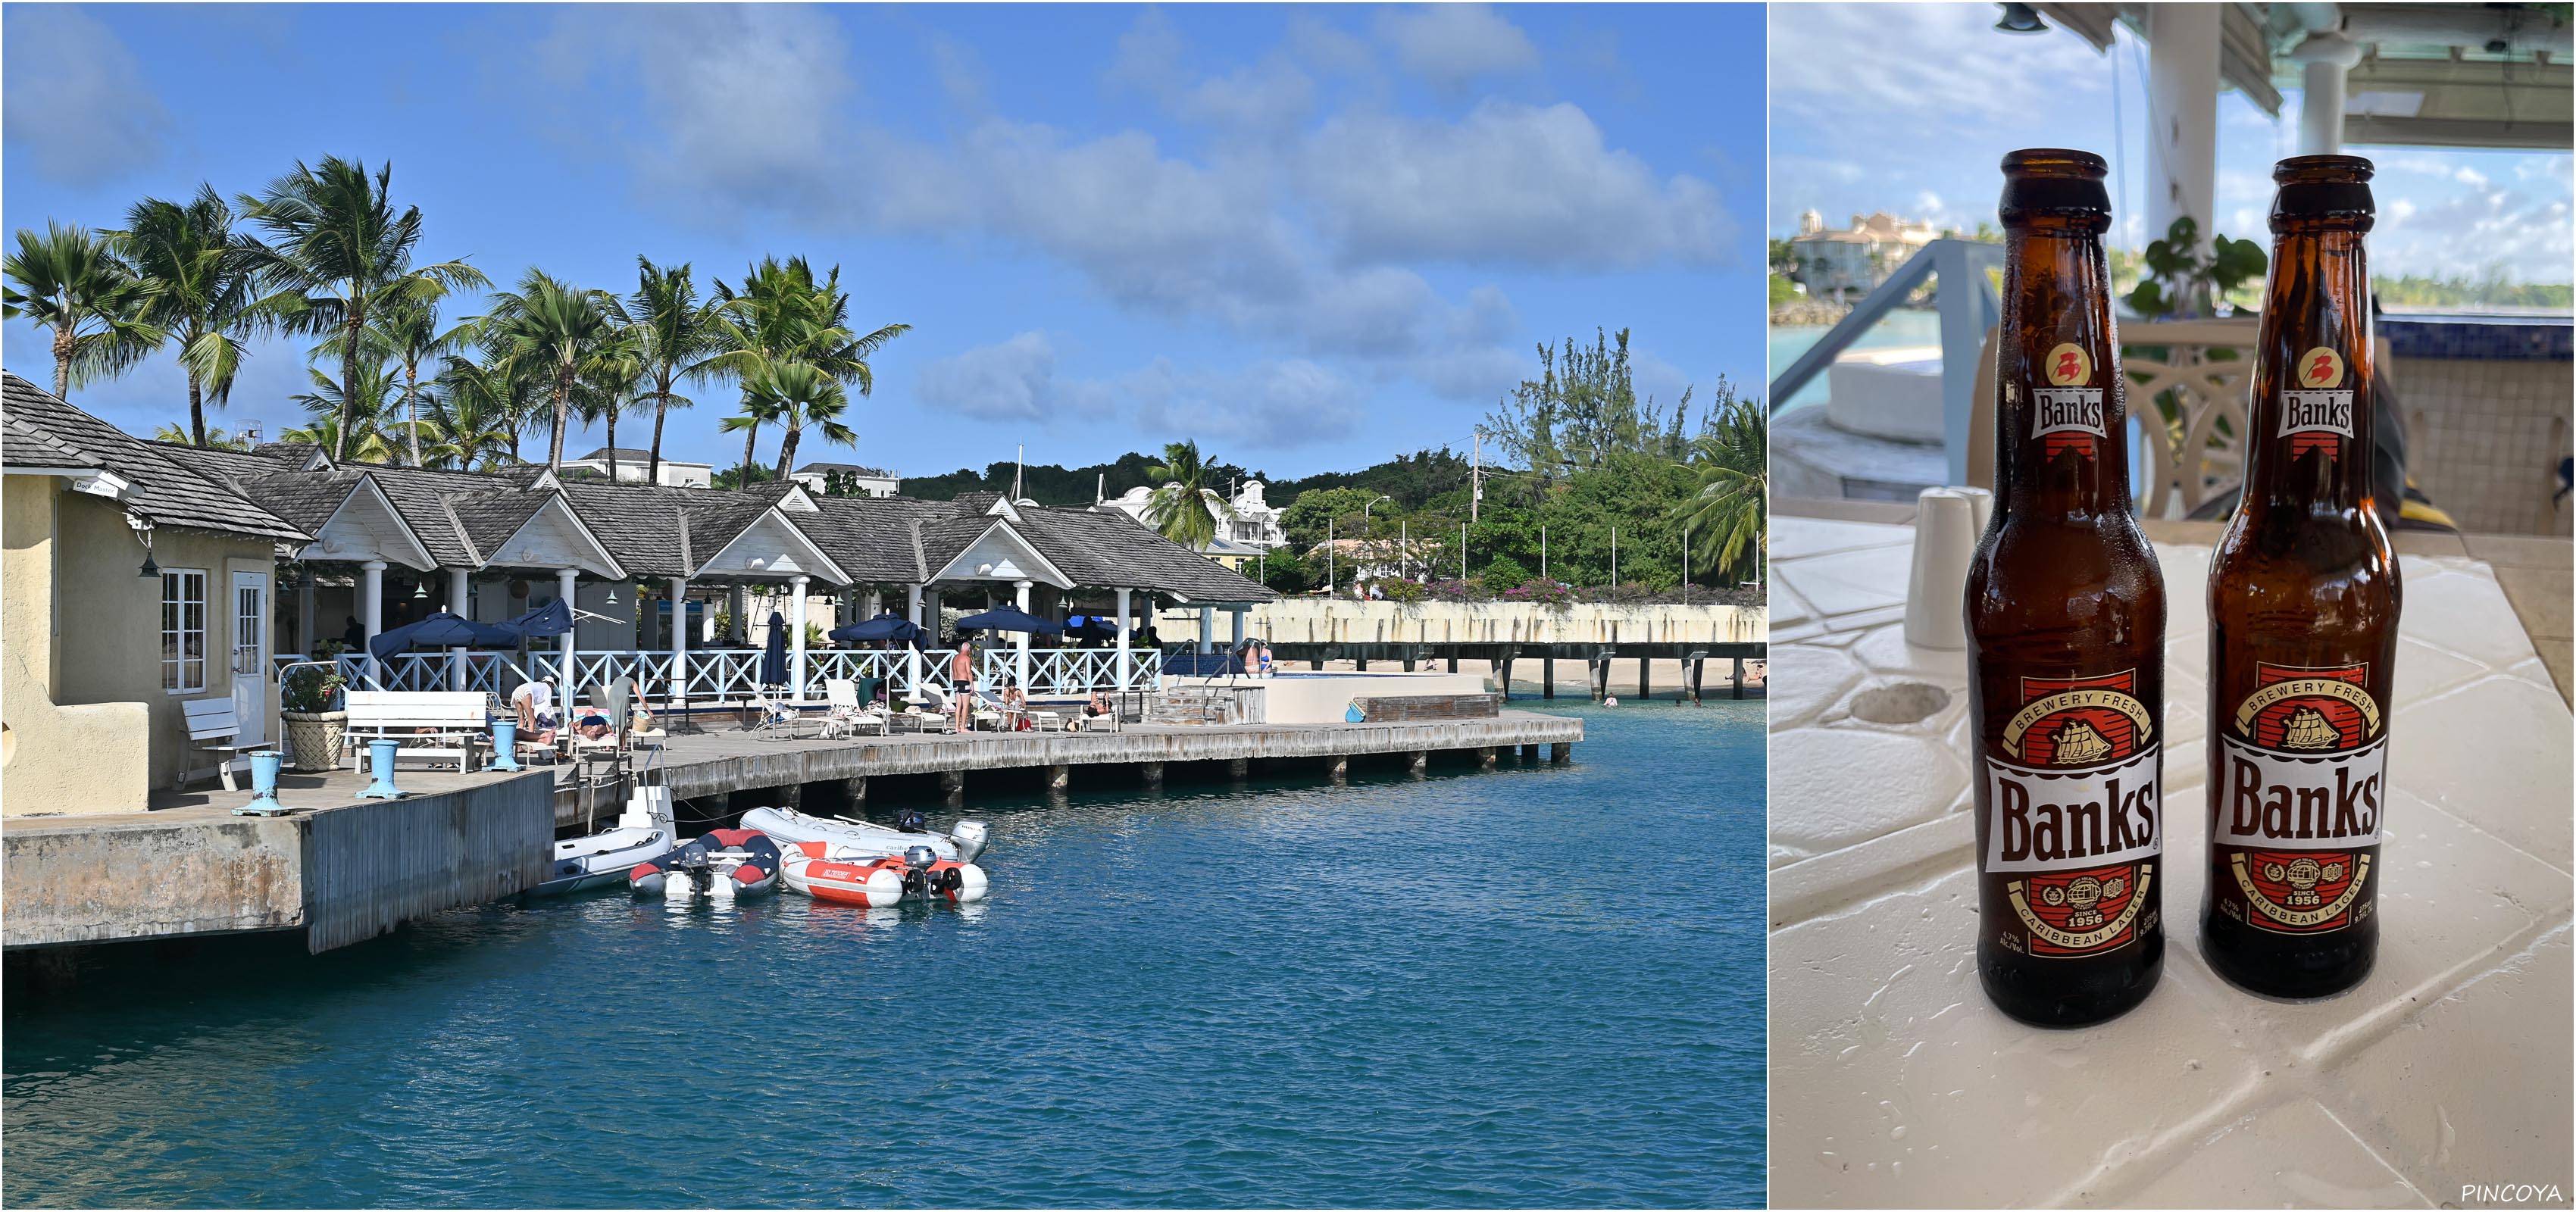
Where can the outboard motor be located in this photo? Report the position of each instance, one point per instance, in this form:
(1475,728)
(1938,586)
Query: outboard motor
(911,820)
(970,837)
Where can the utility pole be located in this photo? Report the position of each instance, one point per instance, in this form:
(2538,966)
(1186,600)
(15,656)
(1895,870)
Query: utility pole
(1475,484)
(1462,552)
(1614,556)
(1542,555)
(1404,548)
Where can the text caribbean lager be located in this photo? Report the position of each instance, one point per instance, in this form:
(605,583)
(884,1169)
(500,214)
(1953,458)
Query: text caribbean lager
(2066,622)
(2303,621)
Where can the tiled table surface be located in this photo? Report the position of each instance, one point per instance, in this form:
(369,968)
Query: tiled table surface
(1894,1083)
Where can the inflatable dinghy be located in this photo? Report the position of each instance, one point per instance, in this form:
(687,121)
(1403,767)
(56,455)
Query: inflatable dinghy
(843,875)
(644,831)
(723,865)
(962,843)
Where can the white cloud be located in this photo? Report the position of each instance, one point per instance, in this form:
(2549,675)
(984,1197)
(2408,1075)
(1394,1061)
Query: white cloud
(1009,381)
(76,100)
(1922,65)
(2470,177)
(1271,405)
(1509,184)
(1452,45)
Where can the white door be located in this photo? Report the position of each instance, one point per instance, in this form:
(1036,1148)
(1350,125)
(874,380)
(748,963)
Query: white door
(250,656)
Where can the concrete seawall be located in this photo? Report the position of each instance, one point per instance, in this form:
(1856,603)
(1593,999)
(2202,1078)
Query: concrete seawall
(341,874)
(1342,621)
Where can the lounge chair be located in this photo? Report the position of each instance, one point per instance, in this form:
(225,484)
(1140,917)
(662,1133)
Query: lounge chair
(849,716)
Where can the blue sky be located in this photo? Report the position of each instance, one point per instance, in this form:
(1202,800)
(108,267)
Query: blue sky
(1310,238)
(1908,108)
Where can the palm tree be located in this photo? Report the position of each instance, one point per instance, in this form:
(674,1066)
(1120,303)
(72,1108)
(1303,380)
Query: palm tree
(341,253)
(1185,508)
(214,438)
(608,389)
(204,291)
(782,315)
(498,389)
(1732,458)
(477,413)
(799,396)
(676,336)
(407,331)
(561,331)
(73,283)
(363,434)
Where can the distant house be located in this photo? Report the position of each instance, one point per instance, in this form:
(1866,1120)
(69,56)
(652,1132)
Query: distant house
(1856,259)
(131,584)
(873,481)
(1253,528)
(632,464)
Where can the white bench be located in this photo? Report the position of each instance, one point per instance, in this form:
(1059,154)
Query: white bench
(427,723)
(212,728)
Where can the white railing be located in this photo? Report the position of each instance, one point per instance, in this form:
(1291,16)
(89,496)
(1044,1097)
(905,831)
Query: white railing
(730,676)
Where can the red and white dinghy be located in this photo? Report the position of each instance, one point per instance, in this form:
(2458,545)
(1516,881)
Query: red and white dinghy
(846,875)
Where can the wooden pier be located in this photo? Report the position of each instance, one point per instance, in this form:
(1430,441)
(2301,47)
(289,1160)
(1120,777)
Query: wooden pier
(1500,655)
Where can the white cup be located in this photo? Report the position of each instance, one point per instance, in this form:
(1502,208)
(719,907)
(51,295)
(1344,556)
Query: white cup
(1947,523)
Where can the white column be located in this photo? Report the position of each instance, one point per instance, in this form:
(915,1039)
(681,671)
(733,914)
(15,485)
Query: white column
(458,600)
(1238,613)
(1126,627)
(308,623)
(568,587)
(912,653)
(2182,94)
(1021,589)
(796,638)
(2325,57)
(1207,628)
(679,638)
(371,608)
(738,604)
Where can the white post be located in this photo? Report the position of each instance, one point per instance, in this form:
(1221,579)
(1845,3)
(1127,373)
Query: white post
(2182,94)
(2325,57)
(1020,591)
(371,609)
(1238,613)
(679,640)
(567,587)
(796,639)
(738,604)
(912,654)
(1126,625)
(458,600)
(308,622)
(1207,628)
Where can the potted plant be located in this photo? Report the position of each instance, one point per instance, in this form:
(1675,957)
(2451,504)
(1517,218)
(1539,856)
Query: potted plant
(309,703)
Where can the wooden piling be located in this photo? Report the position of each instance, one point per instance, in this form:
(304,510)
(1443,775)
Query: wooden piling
(1486,757)
(952,787)
(1338,768)
(1547,676)
(855,790)
(1417,763)
(1058,778)
(1152,774)
(1645,678)
(1739,677)
(1560,752)
(1238,769)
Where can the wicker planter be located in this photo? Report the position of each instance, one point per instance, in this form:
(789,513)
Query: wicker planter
(313,738)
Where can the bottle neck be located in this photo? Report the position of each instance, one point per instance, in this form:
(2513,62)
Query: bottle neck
(2061,408)
(2309,440)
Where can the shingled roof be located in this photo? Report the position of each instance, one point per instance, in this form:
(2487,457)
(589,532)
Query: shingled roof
(164,492)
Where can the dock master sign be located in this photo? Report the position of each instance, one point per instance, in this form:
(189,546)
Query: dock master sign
(2076,807)
(2317,414)
(2067,412)
(2304,760)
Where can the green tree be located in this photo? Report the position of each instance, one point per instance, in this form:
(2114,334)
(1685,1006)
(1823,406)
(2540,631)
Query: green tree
(499,392)
(608,388)
(798,396)
(1305,519)
(338,250)
(781,314)
(676,336)
(473,431)
(1183,507)
(215,437)
(353,421)
(1582,409)
(1729,512)
(204,291)
(73,282)
(560,331)
(407,330)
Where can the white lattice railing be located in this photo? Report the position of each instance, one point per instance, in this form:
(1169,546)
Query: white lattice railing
(728,676)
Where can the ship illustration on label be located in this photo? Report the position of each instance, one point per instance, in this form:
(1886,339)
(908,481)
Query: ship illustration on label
(2067,414)
(2074,797)
(2317,413)
(2303,793)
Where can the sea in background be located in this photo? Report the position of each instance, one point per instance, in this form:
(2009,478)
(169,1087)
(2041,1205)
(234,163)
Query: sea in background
(1540,986)
(1902,326)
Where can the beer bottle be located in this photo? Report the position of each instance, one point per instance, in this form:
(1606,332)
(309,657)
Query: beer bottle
(2066,621)
(2303,620)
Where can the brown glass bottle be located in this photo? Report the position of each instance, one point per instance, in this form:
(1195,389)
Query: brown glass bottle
(2066,623)
(2303,599)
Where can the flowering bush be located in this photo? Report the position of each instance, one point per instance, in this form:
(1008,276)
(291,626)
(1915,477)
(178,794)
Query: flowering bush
(1544,593)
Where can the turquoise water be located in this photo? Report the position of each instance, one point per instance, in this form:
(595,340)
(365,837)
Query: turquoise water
(1899,327)
(1536,987)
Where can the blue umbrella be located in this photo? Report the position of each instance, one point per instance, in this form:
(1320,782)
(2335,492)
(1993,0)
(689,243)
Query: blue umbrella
(1006,618)
(553,618)
(773,660)
(883,627)
(443,630)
